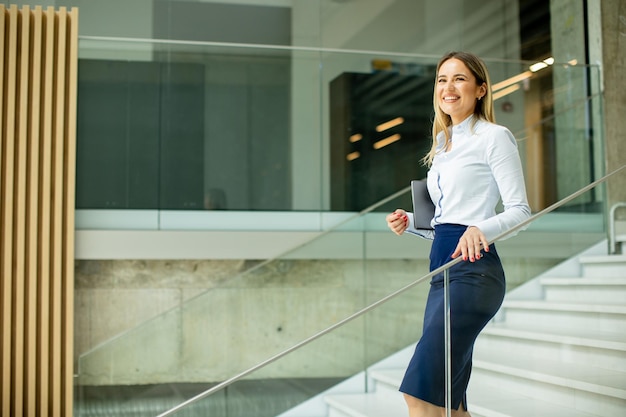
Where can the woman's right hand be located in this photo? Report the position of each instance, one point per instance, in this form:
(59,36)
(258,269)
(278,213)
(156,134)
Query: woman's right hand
(398,221)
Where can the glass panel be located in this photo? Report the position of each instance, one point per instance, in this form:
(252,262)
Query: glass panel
(515,357)
(191,127)
(270,306)
(273,305)
(201,127)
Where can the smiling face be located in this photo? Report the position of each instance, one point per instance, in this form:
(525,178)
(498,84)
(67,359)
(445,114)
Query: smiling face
(457,90)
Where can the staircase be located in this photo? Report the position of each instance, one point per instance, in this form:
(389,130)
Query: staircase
(557,348)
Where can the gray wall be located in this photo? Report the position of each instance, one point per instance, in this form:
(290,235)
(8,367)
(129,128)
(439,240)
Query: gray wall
(233,320)
(613,18)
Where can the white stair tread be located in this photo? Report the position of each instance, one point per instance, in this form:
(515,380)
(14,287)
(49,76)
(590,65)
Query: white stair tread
(492,401)
(390,376)
(583,336)
(604,259)
(368,405)
(484,400)
(580,376)
(563,306)
(591,282)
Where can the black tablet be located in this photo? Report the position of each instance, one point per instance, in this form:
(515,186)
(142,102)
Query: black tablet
(423,207)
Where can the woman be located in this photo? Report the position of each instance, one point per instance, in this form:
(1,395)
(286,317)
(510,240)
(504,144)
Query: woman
(472,164)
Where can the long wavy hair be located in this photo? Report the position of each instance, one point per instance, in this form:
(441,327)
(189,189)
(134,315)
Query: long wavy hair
(483,109)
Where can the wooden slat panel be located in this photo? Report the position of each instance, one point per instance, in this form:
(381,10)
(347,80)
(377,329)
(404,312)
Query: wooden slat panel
(32,210)
(7,209)
(37,166)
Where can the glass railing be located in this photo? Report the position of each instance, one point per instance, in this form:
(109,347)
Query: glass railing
(166,126)
(364,351)
(327,313)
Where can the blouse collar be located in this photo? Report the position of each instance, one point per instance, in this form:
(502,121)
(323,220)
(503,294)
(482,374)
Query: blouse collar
(465,126)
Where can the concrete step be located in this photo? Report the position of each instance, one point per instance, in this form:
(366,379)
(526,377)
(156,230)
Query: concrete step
(607,266)
(485,400)
(366,405)
(556,316)
(602,393)
(604,350)
(585,290)
(387,380)
(489,400)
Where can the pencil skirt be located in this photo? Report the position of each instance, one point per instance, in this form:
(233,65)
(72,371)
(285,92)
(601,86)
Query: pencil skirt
(476,293)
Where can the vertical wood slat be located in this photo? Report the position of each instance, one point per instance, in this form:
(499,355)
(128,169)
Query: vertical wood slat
(4,298)
(45,190)
(19,206)
(69,180)
(37,157)
(32,210)
(57,212)
(8,142)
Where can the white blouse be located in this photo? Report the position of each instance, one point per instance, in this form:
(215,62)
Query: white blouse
(467,182)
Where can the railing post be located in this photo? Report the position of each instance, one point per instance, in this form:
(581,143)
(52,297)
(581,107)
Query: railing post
(447,344)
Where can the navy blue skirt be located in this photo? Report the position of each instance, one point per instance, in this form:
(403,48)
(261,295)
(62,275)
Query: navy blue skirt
(476,293)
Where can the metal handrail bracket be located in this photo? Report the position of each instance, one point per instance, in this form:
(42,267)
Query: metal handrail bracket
(612,233)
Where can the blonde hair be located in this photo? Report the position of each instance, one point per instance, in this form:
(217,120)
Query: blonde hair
(483,109)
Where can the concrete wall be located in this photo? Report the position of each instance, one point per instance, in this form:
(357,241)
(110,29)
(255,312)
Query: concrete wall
(613,40)
(572,131)
(233,320)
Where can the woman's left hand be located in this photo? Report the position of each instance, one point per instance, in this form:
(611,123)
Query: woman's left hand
(470,244)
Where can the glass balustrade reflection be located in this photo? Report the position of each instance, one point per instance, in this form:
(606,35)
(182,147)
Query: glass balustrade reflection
(212,127)
(216,332)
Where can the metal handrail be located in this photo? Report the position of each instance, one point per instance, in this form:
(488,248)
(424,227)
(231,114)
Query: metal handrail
(383,300)
(612,236)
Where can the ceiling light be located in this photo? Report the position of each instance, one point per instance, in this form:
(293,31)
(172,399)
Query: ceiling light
(352,156)
(391,123)
(505,92)
(537,66)
(513,80)
(541,65)
(356,137)
(387,141)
